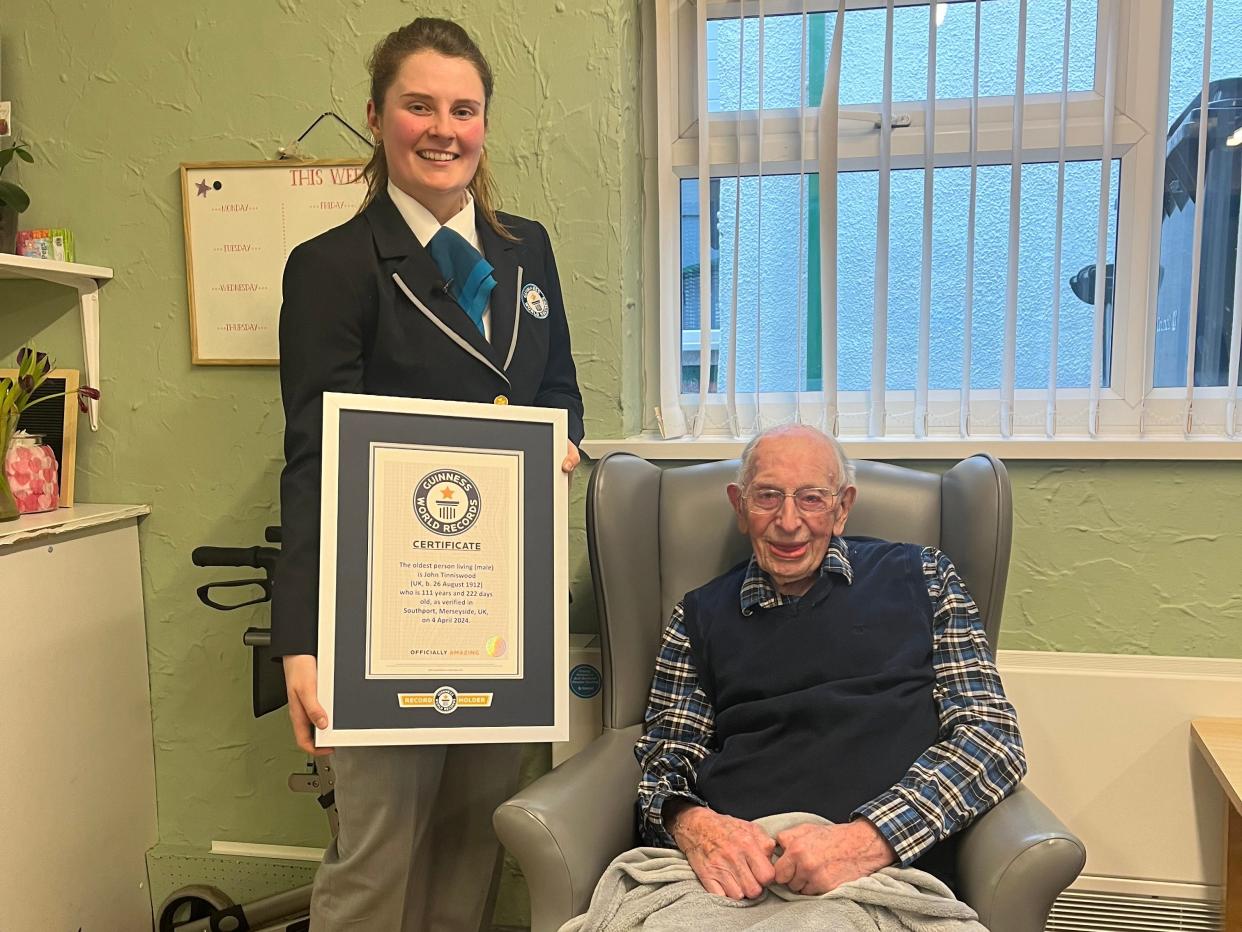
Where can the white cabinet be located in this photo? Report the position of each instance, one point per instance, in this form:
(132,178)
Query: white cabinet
(77,779)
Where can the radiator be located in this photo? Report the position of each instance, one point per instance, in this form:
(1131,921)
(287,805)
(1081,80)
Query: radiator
(1110,751)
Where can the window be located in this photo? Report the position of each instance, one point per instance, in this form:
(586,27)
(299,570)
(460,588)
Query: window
(988,323)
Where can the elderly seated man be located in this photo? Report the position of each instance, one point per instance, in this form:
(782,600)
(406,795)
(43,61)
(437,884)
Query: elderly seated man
(849,678)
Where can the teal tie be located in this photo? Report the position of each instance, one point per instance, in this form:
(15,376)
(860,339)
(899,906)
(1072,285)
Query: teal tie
(468,276)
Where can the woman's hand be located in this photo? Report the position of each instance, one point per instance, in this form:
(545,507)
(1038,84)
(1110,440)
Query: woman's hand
(571,460)
(304,708)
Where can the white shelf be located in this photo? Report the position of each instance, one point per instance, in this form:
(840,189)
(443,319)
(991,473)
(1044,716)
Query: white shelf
(63,273)
(66,520)
(86,280)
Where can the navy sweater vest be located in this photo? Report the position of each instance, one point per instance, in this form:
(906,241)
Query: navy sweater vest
(823,704)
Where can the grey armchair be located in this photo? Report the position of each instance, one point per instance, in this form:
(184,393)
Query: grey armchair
(653,534)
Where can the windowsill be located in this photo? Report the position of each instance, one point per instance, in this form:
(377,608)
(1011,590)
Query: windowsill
(651,447)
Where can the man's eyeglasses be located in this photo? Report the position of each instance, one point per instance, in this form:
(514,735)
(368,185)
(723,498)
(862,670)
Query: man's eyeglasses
(808,501)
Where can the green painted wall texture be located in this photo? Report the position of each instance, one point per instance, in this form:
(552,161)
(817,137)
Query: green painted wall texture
(112,98)
(1127,558)
(1111,557)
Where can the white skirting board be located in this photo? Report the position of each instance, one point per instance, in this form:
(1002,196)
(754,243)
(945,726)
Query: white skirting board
(1110,751)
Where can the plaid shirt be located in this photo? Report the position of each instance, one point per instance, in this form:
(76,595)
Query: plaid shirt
(977,760)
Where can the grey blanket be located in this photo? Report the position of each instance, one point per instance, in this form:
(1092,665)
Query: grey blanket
(655,890)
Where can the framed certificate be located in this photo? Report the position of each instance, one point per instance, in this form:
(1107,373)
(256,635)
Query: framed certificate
(443,573)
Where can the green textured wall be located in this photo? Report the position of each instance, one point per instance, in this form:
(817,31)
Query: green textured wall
(1127,558)
(1109,557)
(112,97)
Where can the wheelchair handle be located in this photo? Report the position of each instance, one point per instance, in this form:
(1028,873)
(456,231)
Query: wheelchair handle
(205,593)
(260,558)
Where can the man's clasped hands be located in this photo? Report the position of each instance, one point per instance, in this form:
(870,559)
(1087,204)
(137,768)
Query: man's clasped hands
(734,857)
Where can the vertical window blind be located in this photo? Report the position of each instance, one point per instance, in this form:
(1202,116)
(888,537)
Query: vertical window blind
(1021,148)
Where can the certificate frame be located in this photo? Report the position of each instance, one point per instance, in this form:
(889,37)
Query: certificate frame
(485,659)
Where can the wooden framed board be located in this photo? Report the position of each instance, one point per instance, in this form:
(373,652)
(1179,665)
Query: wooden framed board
(242,219)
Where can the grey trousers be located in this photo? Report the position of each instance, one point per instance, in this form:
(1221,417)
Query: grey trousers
(415,850)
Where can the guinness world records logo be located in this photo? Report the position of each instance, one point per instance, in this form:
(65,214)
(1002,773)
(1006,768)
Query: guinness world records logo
(445,700)
(447,502)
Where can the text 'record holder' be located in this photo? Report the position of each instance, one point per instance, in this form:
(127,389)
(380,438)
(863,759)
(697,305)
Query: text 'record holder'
(443,583)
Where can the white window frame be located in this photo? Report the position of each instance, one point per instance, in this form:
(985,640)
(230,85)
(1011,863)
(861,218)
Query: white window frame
(1134,421)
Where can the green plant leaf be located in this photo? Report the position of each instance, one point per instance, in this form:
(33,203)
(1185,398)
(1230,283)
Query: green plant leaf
(11,400)
(13,196)
(26,358)
(43,398)
(20,150)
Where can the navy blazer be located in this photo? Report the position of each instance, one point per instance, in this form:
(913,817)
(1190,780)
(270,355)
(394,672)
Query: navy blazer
(364,311)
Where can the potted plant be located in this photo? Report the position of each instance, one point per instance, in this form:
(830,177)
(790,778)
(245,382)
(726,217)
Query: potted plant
(13,198)
(16,395)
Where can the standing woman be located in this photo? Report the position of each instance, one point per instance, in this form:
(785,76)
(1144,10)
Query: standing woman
(428,292)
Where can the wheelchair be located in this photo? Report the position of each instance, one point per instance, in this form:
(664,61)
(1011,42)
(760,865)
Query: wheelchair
(200,907)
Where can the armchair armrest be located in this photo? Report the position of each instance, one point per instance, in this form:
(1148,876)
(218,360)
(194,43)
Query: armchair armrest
(567,826)
(1015,860)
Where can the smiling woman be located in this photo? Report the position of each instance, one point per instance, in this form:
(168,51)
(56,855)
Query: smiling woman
(429,292)
(432,138)
(430,90)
